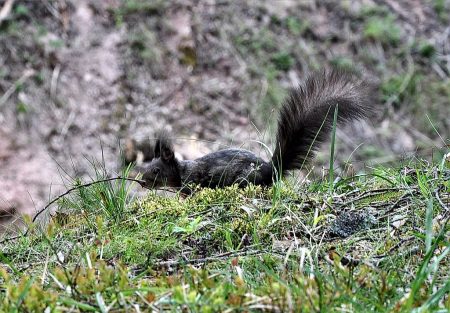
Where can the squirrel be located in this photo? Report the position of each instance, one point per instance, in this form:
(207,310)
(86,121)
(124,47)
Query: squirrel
(305,120)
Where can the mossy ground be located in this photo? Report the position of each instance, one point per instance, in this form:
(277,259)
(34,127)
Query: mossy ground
(247,249)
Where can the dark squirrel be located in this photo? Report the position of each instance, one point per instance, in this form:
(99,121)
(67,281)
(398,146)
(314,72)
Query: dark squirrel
(305,119)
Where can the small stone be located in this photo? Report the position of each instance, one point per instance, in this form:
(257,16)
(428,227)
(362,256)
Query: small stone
(349,223)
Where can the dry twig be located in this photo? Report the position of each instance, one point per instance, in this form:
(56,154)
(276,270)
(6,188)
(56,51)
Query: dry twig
(26,74)
(217,257)
(4,12)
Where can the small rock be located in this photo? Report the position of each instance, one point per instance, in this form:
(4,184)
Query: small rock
(349,223)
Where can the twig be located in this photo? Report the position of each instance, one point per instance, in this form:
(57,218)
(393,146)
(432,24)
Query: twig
(396,203)
(391,250)
(436,193)
(54,81)
(370,193)
(211,258)
(6,10)
(26,74)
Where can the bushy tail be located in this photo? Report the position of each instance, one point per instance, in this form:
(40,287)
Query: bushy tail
(307,114)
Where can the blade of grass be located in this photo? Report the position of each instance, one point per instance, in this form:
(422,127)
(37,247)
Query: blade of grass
(423,271)
(429,225)
(25,291)
(434,299)
(332,150)
(82,306)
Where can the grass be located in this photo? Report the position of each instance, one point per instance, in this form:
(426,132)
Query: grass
(252,249)
(236,249)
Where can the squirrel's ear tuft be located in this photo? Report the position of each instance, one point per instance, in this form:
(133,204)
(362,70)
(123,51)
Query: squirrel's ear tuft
(164,148)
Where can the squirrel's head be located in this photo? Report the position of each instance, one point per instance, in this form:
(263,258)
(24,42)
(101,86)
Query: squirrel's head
(163,169)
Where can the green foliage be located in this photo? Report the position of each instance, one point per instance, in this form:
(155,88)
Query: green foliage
(39,78)
(427,50)
(382,29)
(400,87)
(296,26)
(21,10)
(24,295)
(144,7)
(282,61)
(110,198)
(140,42)
(21,107)
(442,7)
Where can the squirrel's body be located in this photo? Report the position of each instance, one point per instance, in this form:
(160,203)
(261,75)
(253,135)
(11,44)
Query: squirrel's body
(224,168)
(305,120)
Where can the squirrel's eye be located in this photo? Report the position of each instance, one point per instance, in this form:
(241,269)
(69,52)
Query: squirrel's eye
(155,171)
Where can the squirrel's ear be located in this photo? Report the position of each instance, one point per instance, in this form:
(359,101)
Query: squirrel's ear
(164,150)
(167,154)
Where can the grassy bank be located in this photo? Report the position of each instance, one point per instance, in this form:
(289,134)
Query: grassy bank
(378,242)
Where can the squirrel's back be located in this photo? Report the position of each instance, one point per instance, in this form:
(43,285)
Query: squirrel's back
(306,116)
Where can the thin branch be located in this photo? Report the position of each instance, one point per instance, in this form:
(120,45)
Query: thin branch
(26,74)
(436,194)
(4,12)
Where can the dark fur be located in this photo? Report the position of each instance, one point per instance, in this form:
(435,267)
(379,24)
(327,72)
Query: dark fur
(305,120)
(306,117)
(133,148)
